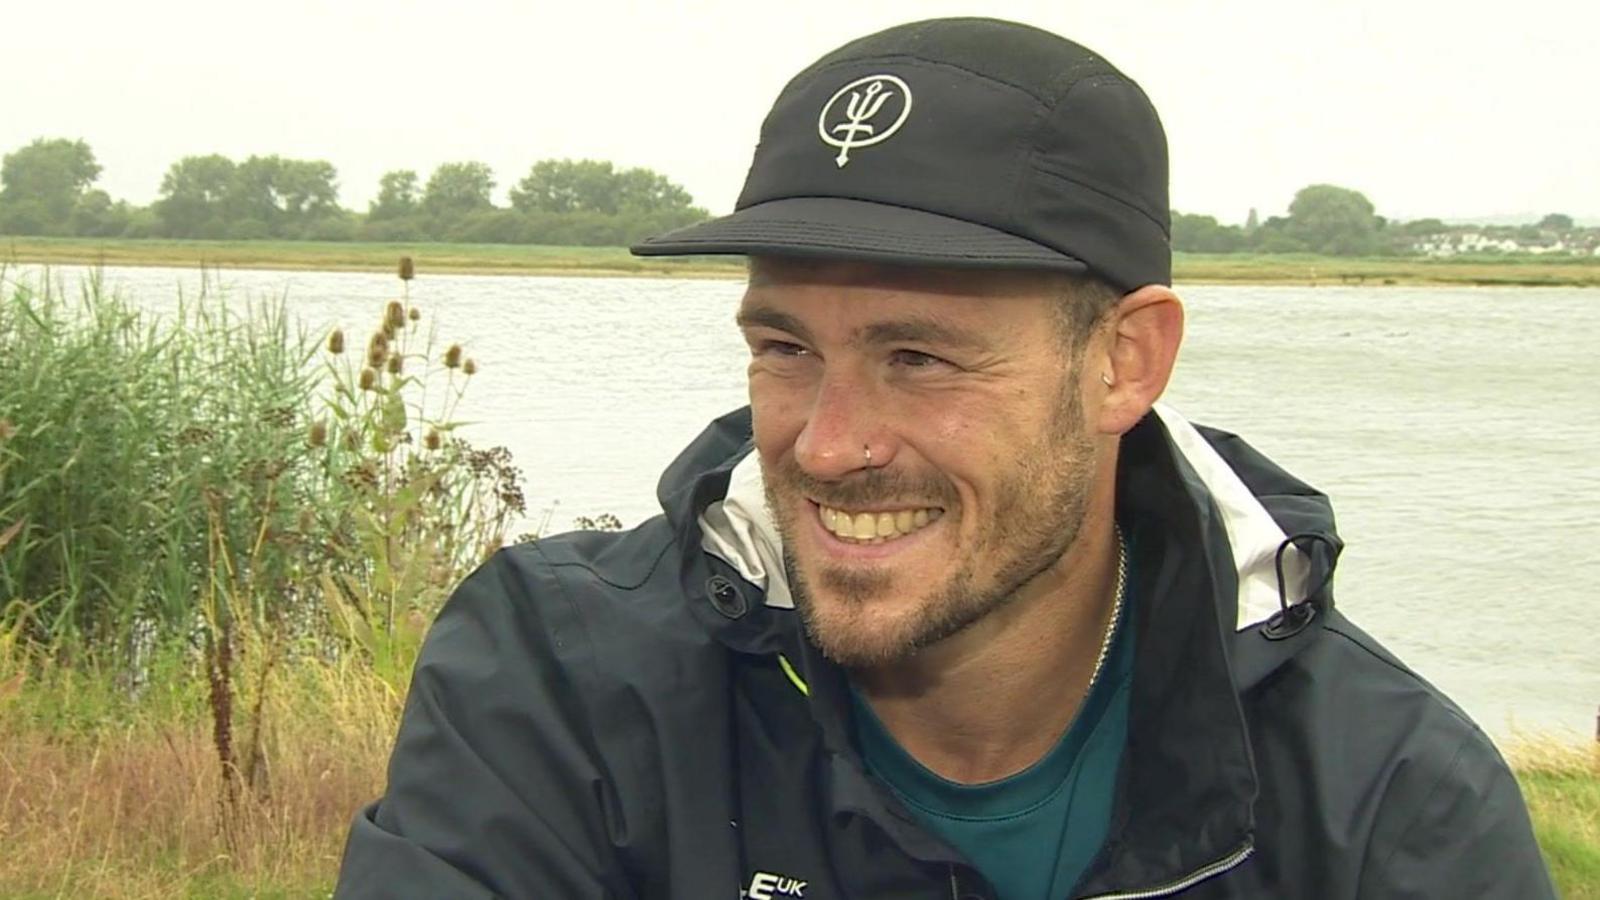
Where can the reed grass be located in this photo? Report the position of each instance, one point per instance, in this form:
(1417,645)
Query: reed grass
(221,540)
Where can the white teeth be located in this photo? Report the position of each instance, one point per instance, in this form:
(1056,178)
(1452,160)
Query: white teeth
(875,528)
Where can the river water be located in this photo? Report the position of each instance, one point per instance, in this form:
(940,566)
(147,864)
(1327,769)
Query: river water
(1456,429)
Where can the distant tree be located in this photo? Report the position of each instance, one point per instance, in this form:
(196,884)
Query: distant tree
(1252,221)
(1333,220)
(398,196)
(96,215)
(1422,227)
(1274,237)
(1204,234)
(642,190)
(587,185)
(1556,222)
(455,189)
(192,195)
(308,191)
(269,196)
(490,226)
(41,184)
(250,200)
(338,226)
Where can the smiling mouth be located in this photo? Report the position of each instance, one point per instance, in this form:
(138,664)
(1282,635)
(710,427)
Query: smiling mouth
(876,526)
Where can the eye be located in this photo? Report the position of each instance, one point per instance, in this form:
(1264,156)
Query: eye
(769,347)
(916,359)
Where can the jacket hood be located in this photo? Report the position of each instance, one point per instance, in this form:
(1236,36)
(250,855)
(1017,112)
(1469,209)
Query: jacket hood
(1258,506)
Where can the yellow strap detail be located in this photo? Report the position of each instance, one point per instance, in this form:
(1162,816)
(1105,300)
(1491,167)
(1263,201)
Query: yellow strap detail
(793,675)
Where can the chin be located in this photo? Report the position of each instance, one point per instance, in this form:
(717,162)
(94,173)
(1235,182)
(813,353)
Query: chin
(865,618)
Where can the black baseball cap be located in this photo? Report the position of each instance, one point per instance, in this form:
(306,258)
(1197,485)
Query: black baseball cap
(956,142)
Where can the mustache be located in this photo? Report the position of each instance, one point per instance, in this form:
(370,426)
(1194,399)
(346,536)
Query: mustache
(866,488)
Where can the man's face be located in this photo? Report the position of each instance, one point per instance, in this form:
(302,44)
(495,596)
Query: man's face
(961,386)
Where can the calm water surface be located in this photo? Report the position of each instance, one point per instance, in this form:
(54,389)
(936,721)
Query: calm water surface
(1455,428)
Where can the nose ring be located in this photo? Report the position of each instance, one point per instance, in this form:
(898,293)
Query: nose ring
(867,452)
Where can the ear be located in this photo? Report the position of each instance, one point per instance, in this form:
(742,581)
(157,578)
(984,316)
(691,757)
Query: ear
(1136,352)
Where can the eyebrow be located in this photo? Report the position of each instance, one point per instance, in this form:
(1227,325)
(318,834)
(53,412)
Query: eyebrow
(922,331)
(766,317)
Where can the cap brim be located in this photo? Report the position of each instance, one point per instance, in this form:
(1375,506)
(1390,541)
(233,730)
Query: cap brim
(838,228)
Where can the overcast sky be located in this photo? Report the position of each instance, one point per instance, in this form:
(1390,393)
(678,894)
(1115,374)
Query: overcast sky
(1457,109)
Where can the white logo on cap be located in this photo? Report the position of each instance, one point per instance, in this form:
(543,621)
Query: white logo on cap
(855,127)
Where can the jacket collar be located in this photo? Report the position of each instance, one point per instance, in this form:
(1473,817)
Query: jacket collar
(739,530)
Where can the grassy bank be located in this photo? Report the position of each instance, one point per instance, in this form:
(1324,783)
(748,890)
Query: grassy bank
(1562,787)
(471,259)
(500,259)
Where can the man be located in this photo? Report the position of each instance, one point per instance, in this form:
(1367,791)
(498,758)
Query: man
(954,609)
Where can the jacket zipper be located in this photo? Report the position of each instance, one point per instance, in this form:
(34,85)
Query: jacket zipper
(1208,871)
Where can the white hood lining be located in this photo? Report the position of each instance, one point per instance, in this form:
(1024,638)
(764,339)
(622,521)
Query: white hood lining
(739,529)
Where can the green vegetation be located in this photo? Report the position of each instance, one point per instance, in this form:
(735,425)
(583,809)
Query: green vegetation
(221,543)
(480,259)
(1328,220)
(1314,270)
(45,190)
(500,259)
(1562,787)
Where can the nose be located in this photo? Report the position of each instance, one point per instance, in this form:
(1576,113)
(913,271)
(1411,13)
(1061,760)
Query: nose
(844,431)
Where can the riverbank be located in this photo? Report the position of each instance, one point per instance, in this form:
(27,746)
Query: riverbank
(507,259)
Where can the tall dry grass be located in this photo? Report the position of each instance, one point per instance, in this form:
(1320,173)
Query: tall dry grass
(138,808)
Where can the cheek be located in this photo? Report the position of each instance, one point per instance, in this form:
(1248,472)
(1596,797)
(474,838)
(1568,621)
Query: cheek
(777,414)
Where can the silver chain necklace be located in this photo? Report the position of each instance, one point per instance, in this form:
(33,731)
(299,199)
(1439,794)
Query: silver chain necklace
(1116,611)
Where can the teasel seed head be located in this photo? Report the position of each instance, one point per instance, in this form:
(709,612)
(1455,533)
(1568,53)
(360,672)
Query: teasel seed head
(434,440)
(414,314)
(319,434)
(408,270)
(470,367)
(394,315)
(396,364)
(336,342)
(369,379)
(377,349)
(452,357)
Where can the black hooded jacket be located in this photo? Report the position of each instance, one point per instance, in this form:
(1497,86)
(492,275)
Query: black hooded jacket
(639,715)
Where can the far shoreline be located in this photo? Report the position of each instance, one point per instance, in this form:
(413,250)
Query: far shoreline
(1302,270)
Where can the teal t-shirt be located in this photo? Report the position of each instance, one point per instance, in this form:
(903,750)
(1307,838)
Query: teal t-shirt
(1033,834)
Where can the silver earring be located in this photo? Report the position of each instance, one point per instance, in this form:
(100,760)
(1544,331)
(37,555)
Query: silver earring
(1105,379)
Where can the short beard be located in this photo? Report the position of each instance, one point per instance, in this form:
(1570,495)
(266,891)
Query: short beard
(1038,516)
